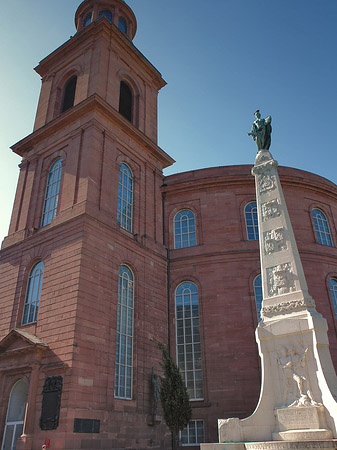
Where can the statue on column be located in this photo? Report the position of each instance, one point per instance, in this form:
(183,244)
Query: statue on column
(261,131)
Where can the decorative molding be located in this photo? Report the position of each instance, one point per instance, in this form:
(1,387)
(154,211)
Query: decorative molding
(275,241)
(288,306)
(266,182)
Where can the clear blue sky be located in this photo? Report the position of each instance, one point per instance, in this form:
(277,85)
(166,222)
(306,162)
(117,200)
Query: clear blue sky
(222,60)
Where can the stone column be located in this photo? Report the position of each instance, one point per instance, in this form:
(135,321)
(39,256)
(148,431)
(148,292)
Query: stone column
(299,385)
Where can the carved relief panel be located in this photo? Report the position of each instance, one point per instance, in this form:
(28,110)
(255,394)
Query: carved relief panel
(270,210)
(274,241)
(280,279)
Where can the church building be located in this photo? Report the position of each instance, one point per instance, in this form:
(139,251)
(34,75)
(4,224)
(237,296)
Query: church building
(104,254)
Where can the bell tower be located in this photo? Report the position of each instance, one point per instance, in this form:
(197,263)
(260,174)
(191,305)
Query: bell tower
(84,265)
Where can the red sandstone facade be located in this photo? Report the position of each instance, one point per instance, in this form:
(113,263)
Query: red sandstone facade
(86,243)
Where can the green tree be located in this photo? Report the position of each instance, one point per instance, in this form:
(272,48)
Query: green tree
(173,396)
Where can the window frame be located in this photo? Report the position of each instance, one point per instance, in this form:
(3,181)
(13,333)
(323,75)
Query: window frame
(258,278)
(189,444)
(125,220)
(122,19)
(118,386)
(254,219)
(72,94)
(85,24)
(101,14)
(57,166)
(15,423)
(190,234)
(321,235)
(30,286)
(182,363)
(333,293)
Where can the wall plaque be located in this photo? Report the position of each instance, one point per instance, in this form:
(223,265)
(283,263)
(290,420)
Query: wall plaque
(51,402)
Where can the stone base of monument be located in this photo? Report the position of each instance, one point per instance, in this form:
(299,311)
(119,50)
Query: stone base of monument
(329,444)
(301,423)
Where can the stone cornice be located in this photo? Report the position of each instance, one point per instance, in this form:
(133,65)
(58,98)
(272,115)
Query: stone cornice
(87,36)
(92,103)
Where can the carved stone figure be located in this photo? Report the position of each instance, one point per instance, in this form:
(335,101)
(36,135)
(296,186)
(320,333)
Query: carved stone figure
(293,365)
(155,387)
(261,131)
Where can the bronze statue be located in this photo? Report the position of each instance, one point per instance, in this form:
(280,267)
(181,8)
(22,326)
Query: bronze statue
(261,131)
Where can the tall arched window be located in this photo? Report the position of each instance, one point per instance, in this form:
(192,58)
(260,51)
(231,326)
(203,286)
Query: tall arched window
(15,415)
(188,338)
(125,101)
(33,292)
(69,94)
(258,295)
(107,14)
(124,339)
(52,193)
(322,228)
(333,292)
(252,225)
(122,25)
(125,198)
(184,229)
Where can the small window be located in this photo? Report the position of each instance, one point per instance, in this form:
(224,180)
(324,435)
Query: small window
(107,14)
(322,228)
(333,292)
(15,415)
(184,229)
(122,25)
(258,295)
(188,338)
(193,433)
(124,339)
(33,292)
(52,193)
(125,101)
(69,94)
(252,225)
(125,198)
(87,20)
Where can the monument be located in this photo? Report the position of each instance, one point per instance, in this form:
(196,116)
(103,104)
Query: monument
(297,407)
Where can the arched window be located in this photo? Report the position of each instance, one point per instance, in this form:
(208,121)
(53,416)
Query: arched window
(69,94)
(188,338)
(124,339)
(252,226)
(258,295)
(125,101)
(122,25)
(107,14)
(15,415)
(184,229)
(322,228)
(125,200)
(333,292)
(52,193)
(33,292)
(87,20)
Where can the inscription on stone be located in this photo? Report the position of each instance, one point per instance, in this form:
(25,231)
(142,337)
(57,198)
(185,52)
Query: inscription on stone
(51,402)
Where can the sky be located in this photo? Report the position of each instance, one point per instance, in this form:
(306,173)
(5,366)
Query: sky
(222,60)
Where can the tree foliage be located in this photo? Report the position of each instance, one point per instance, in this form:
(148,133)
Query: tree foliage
(173,395)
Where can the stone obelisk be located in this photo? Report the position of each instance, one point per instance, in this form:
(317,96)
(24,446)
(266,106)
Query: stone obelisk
(297,406)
